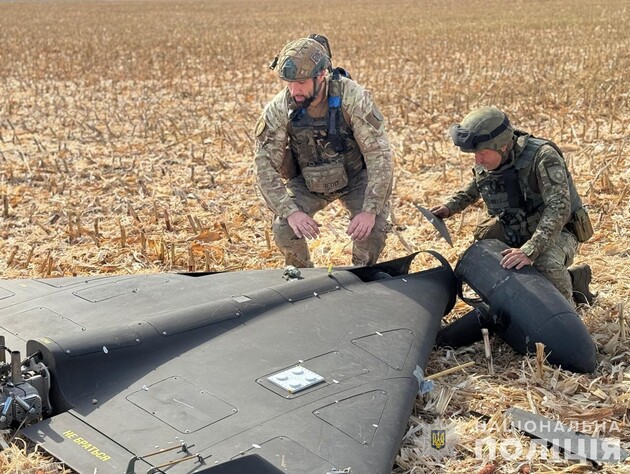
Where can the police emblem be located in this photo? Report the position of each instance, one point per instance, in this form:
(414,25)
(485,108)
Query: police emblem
(438,439)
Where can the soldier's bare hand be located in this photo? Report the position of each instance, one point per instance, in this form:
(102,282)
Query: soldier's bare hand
(361,225)
(303,225)
(514,258)
(441,211)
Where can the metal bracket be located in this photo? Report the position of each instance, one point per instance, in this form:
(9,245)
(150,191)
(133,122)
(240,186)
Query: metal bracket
(182,448)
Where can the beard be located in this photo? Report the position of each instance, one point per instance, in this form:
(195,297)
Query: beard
(308,100)
(303,104)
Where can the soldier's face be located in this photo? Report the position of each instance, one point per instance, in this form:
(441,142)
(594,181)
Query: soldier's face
(489,159)
(301,90)
(304,92)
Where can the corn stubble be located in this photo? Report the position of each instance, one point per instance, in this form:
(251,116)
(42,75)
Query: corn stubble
(126,147)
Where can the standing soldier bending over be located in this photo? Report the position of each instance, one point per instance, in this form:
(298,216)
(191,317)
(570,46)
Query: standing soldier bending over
(320,139)
(530,197)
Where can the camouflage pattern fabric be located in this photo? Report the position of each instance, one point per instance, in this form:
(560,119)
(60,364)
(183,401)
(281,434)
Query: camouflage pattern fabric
(313,151)
(296,250)
(541,229)
(479,123)
(302,59)
(552,263)
(273,136)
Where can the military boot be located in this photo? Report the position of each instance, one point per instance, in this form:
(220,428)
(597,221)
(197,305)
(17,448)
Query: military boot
(581,276)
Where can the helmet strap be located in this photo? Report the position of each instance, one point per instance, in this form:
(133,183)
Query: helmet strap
(315,88)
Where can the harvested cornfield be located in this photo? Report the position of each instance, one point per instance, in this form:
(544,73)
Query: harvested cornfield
(126,147)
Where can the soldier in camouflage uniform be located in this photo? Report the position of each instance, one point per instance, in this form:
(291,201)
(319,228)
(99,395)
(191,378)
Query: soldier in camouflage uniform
(531,200)
(320,139)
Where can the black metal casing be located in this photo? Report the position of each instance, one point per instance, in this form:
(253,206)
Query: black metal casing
(141,364)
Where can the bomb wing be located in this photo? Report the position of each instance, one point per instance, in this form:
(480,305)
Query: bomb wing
(221,372)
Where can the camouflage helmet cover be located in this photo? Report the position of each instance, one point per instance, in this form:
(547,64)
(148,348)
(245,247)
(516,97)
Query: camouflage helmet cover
(302,59)
(484,128)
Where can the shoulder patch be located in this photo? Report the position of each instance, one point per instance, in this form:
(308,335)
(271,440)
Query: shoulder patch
(375,118)
(260,126)
(556,174)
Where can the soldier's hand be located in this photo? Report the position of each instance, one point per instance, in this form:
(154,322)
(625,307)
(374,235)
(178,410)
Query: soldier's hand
(303,225)
(441,211)
(361,225)
(514,258)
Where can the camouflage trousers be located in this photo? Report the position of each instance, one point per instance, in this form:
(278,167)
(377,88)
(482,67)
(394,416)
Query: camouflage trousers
(552,263)
(295,250)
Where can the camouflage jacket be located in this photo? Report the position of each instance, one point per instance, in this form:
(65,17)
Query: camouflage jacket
(546,198)
(366,127)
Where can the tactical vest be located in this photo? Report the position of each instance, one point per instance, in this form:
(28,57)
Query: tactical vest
(316,151)
(511,193)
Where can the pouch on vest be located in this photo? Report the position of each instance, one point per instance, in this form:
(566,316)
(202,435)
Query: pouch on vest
(288,167)
(580,225)
(326,178)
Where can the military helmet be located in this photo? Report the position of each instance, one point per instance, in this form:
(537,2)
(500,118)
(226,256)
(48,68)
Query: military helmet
(484,128)
(302,59)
